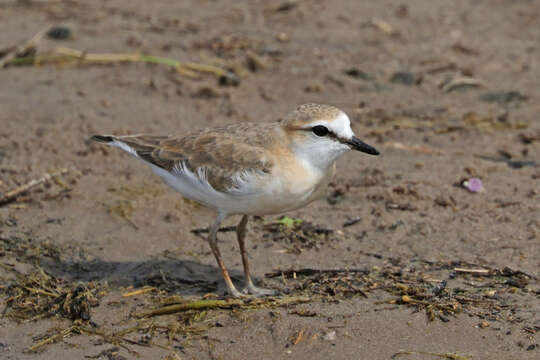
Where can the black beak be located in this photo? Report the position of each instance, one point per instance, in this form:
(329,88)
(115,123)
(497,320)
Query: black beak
(357,144)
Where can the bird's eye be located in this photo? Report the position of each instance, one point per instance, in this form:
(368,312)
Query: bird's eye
(320,130)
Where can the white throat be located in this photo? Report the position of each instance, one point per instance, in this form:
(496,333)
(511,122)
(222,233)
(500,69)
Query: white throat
(320,155)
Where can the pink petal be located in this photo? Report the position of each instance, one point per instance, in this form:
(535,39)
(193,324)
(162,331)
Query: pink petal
(473,185)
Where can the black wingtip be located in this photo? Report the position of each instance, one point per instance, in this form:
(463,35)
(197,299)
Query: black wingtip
(102,138)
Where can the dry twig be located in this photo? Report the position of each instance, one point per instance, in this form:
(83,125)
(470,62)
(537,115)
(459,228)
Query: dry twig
(63,55)
(11,53)
(13,194)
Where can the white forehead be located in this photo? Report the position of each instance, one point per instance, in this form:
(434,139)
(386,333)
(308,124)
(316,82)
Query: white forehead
(340,125)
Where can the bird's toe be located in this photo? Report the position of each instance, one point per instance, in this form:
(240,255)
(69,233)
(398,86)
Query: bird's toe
(259,292)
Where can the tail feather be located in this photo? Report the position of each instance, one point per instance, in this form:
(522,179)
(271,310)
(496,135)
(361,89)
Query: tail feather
(141,146)
(103,138)
(128,143)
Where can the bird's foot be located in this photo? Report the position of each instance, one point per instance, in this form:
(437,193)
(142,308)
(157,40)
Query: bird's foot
(258,292)
(235,293)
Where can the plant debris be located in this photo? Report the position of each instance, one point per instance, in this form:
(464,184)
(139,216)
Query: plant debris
(14,193)
(299,234)
(440,289)
(38,294)
(351,222)
(504,97)
(180,304)
(28,54)
(459,83)
(446,356)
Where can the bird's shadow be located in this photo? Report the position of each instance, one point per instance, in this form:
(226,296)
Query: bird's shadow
(183,277)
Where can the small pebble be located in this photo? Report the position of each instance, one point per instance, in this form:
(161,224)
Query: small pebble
(283,37)
(330,336)
(406,78)
(357,74)
(229,79)
(59,32)
(287,6)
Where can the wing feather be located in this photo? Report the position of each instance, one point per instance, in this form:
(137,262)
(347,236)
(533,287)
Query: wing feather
(227,158)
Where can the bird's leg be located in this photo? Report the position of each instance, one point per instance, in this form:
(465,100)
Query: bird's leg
(212,240)
(241,235)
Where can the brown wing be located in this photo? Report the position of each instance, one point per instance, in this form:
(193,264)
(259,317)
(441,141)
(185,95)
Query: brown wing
(223,152)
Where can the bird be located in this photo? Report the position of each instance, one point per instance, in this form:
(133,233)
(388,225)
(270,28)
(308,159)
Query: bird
(250,169)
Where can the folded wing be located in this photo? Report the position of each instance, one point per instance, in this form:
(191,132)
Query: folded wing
(218,158)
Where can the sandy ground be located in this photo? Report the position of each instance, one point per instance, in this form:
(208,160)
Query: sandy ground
(445,90)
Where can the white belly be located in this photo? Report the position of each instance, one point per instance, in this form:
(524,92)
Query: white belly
(263,195)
